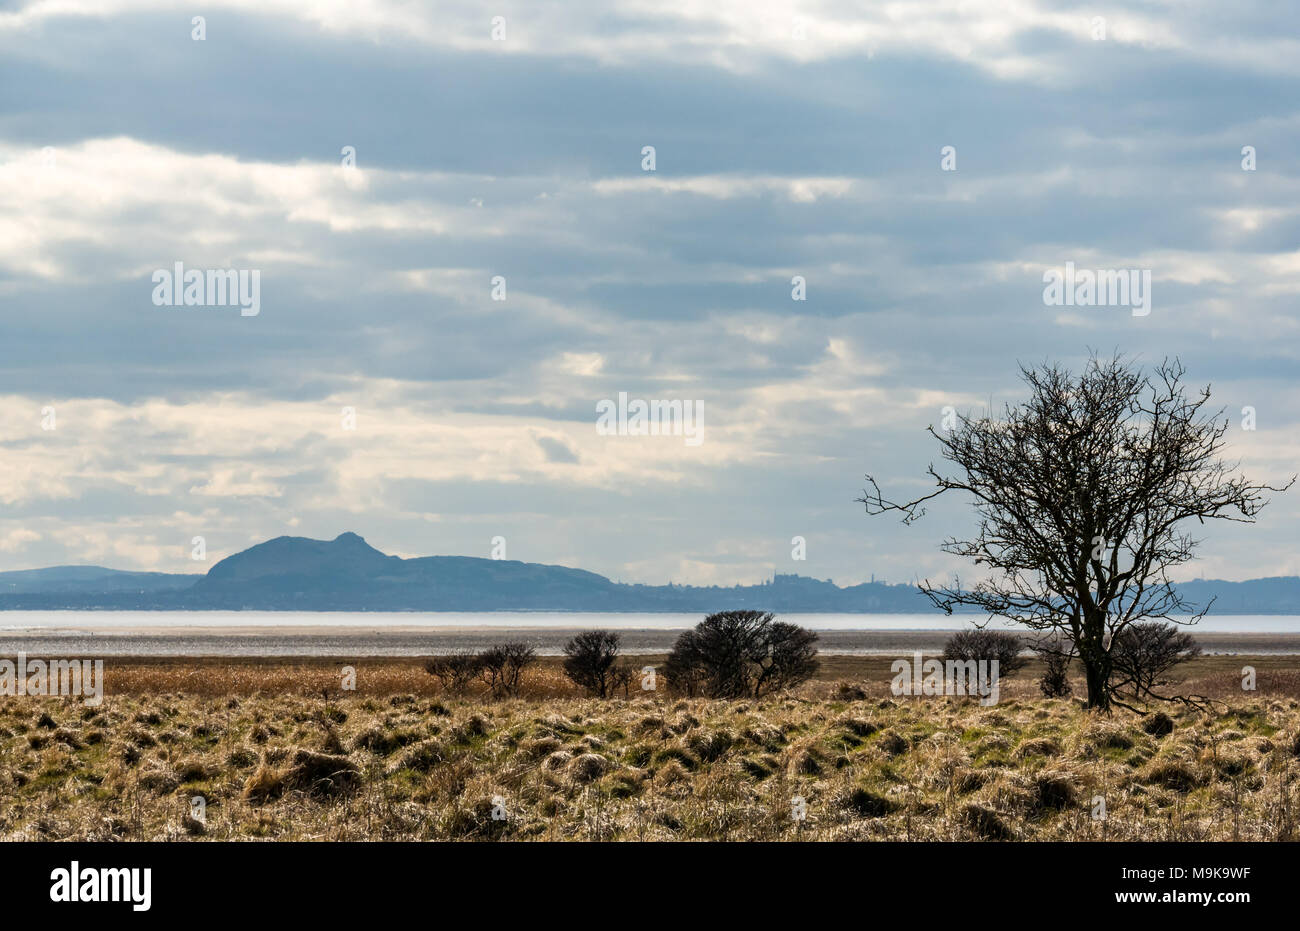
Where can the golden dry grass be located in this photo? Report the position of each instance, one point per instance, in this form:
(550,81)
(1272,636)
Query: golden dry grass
(1216,676)
(277,751)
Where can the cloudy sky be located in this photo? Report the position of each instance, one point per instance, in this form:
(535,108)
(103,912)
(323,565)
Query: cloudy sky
(790,139)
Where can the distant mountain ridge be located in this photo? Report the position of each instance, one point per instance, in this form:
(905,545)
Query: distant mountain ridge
(348,574)
(90,579)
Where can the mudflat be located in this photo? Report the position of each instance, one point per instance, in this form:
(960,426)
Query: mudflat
(387,640)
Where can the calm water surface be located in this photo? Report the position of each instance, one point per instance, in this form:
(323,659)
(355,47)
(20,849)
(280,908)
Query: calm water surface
(327,634)
(108,622)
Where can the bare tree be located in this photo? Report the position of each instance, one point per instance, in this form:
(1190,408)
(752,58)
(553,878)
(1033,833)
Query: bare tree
(621,678)
(682,668)
(741,654)
(987,645)
(1142,655)
(502,666)
(455,671)
(589,661)
(1056,653)
(1082,494)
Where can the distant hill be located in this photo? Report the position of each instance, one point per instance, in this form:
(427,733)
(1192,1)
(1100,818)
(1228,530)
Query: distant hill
(90,579)
(1277,595)
(348,574)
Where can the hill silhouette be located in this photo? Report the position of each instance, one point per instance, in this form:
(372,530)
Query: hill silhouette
(348,574)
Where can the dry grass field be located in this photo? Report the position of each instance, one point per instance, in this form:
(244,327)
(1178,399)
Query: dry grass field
(278,751)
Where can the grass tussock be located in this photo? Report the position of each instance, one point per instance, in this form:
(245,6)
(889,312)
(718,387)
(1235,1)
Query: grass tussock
(399,761)
(583,769)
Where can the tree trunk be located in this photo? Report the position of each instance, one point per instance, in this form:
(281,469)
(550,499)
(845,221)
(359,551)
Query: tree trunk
(1098,676)
(1096,659)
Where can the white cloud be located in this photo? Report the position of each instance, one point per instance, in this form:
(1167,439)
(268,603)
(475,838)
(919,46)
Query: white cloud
(736,35)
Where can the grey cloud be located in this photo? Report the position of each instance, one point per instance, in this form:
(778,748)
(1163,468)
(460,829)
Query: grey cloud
(931,280)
